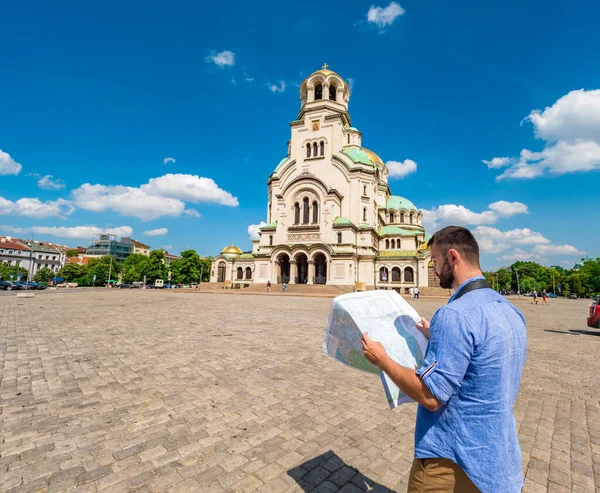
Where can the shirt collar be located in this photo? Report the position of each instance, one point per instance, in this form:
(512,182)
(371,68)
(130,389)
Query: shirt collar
(463,285)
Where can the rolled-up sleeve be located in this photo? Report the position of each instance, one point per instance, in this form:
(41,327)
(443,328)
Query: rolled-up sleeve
(448,355)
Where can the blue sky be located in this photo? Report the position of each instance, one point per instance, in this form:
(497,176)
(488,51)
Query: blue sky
(99,97)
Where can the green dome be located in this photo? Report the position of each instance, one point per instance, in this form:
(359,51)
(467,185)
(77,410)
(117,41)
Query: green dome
(396,202)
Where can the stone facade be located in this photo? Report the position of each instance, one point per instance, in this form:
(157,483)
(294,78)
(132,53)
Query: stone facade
(331,216)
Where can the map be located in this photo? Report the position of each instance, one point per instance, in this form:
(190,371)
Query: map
(389,319)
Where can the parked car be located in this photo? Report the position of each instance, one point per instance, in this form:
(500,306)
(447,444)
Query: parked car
(594,319)
(4,285)
(14,286)
(124,286)
(552,295)
(572,296)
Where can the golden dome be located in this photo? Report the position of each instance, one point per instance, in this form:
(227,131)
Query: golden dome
(372,156)
(231,250)
(325,71)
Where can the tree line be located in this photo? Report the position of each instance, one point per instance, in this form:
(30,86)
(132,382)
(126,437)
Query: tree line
(136,267)
(583,280)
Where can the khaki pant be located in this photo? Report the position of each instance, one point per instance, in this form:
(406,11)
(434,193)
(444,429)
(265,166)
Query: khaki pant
(439,476)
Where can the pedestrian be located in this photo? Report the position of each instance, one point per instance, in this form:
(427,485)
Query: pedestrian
(465,433)
(268,286)
(284,287)
(417,293)
(544,297)
(411,293)
(535,297)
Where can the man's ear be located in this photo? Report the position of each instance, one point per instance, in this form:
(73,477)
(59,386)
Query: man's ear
(454,256)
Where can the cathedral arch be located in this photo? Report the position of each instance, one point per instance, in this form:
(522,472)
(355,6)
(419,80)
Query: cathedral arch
(248,273)
(392,217)
(296,213)
(383,274)
(409,274)
(240,273)
(318,91)
(396,274)
(387,244)
(332,92)
(221,270)
(315,212)
(305,211)
(322,148)
(393,244)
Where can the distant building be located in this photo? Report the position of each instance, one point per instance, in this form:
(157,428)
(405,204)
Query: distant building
(42,255)
(12,252)
(108,245)
(170,258)
(140,248)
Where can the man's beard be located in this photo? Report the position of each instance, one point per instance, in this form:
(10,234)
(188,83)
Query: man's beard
(446,276)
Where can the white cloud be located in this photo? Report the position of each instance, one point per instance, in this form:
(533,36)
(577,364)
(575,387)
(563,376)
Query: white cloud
(168,160)
(277,88)
(222,59)
(128,201)
(459,215)
(47,183)
(166,248)
(507,209)
(384,16)
(191,212)
(156,232)
(74,232)
(399,169)
(162,196)
(253,230)
(519,254)
(351,83)
(492,240)
(34,207)
(191,188)
(571,129)
(497,162)
(247,78)
(558,250)
(8,166)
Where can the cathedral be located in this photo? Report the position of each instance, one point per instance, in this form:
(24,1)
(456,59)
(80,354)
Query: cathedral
(331,216)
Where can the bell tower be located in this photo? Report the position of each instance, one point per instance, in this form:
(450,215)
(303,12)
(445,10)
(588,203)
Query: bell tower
(324,91)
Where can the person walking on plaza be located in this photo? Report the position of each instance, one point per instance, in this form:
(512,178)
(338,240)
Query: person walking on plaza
(411,293)
(268,286)
(284,287)
(544,297)
(535,297)
(465,434)
(417,293)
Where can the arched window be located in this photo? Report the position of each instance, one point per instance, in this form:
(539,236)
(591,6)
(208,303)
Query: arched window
(387,244)
(411,218)
(315,149)
(398,243)
(322,148)
(308,150)
(315,212)
(248,273)
(348,138)
(365,190)
(318,92)
(240,273)
(383,274)
(296,213)
(339,238)
(332,92)
(306,213)
(270,240)
(269,212)
(396,274)
(409,275)
(392,217)
(402,217)
(393,244)
(365,214)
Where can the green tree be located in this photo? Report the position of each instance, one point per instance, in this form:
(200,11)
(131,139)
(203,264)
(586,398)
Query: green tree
(133,268)
(528,283)
(154,268)
(100,267)
(71,253)
(7,270)
(43,275)
(72,271)
(187,269)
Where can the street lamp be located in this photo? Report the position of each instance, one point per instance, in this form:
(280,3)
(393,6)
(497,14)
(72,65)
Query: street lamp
(518,285)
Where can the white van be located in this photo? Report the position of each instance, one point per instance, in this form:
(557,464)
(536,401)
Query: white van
(159,283)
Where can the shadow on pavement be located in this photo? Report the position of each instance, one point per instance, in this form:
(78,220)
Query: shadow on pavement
(573,332)
(328,473)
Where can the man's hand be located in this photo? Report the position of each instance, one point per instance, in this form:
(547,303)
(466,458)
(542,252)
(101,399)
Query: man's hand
(423,326)
(373,351)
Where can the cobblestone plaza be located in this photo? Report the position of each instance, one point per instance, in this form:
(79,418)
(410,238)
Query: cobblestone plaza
(129,390)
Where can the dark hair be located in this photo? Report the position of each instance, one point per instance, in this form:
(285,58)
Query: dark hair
(459,239)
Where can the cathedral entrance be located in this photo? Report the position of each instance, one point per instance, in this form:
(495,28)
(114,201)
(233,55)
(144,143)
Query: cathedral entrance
(221,272)
(301,269)
(320,268)
(284,269)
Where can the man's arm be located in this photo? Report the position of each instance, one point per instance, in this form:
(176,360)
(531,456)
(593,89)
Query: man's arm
(405,378)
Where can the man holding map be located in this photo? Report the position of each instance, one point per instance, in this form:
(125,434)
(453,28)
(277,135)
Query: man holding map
(465,433)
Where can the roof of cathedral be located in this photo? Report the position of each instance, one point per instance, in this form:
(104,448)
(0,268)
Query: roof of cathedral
(280,163)
(375,159)
(246,255)
(395,230)
(342,221)
(231,250)
(357,154)
(266,227)
(398,253)
(397,202)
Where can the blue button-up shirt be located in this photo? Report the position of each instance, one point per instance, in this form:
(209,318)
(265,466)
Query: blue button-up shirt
(473,366)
